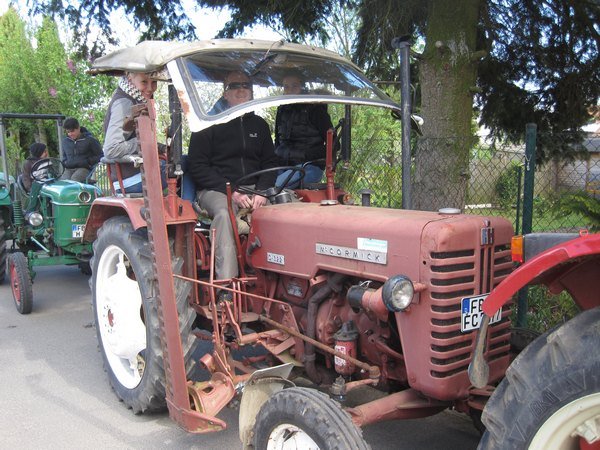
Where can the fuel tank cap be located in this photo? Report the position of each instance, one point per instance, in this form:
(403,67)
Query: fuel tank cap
(449,211)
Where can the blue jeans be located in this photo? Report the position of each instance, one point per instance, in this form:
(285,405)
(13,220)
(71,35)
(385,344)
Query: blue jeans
(313,175)
(188,188)
(137,187)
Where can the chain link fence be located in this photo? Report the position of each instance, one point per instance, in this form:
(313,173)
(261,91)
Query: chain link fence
(487,179)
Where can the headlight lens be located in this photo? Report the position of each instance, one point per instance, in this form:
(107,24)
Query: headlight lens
(35,219)
(85,197)
(398,292)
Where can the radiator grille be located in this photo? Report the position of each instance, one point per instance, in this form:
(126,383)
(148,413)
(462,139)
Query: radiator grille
(455,275)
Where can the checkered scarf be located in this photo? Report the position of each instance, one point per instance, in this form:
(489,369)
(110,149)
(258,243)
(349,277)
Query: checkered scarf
(130,89)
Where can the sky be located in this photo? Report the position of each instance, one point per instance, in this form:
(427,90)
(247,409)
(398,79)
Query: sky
(207,22)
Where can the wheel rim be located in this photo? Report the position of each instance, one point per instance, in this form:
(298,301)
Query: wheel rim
(289,437)
(119,316)
(564,429)
(14,283)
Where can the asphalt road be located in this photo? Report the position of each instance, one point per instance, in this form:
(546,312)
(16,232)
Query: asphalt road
(55,395)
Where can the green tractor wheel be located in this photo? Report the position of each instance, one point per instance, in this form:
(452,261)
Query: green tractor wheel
(20,282)
(2,251)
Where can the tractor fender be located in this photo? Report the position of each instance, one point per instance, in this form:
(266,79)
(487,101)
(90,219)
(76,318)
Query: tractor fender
(567,265)
(104,208)
(261,385)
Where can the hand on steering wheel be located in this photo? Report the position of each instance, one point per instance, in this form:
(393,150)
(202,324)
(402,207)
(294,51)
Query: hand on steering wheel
(250,202)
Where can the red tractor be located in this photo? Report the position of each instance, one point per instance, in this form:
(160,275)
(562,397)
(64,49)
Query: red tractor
(345,296)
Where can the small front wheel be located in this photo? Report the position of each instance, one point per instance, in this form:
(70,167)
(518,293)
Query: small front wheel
(20,282)
(306,419)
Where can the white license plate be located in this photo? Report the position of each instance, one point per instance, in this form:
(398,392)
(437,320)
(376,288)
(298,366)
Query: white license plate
(78,230)
(276,258)
(472,314)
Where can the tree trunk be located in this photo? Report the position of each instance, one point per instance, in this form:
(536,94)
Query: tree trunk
(447,75)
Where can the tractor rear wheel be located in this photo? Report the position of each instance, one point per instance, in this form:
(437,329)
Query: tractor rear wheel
(550,397)
(126,314)
(301,418)
(2,251)
(20,282)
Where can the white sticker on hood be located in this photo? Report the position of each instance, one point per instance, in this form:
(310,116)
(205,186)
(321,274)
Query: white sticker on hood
(375,245)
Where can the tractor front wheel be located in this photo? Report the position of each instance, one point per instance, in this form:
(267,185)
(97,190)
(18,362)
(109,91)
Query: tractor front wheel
(20,282)
(301,418)
(126,315)
(2,251)
(550,397)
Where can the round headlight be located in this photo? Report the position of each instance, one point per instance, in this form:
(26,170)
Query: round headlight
(85,197)
(397,293)
(35,219)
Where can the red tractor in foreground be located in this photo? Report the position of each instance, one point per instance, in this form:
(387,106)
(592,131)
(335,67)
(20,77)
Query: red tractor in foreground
(344,296)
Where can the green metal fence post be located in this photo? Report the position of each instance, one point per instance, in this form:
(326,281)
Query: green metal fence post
(518,213)
(530,143)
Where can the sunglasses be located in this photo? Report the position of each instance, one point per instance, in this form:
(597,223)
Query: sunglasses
(238,85)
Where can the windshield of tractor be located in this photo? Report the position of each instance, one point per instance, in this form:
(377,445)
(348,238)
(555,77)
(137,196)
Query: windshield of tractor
(277,77)
(198,71)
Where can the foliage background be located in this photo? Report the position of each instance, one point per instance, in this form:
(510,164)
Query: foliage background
(39,75)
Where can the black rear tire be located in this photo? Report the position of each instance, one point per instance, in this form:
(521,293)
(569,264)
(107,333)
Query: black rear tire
(297,415)
(20,282)
(556,374)
(126,314)
(3,252)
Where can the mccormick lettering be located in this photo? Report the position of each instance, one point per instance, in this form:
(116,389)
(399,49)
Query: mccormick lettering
(352,253)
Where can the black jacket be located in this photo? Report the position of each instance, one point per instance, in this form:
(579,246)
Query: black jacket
(83,152)
(301,133)
(228,151)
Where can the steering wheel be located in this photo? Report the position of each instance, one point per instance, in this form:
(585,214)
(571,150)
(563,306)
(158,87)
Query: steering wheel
(47,169)
(272,191)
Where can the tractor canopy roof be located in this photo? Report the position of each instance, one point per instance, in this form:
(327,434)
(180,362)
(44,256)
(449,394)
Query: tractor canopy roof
(198,69)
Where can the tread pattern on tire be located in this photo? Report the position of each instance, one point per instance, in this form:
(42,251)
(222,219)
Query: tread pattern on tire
(543,378)
(3,251)
(19,260)
(149,395)
(314,412)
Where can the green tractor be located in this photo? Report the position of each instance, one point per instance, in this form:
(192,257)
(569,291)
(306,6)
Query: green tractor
(43,226)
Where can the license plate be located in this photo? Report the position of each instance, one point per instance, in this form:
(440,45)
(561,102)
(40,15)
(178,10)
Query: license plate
(472,314)
(276,258)
(78,231)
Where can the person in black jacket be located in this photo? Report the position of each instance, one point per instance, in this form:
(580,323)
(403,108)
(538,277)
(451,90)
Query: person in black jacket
(81,151)
(223,153)
(300,135)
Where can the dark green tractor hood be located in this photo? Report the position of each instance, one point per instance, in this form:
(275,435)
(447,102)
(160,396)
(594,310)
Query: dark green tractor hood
(70,192)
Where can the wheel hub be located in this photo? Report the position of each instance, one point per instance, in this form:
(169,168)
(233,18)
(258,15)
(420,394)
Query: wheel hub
(571,427)
(290,437)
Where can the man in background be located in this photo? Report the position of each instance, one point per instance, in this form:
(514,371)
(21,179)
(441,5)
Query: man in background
(81,151)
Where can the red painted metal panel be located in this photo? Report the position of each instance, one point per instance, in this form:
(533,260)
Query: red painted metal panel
(570,251)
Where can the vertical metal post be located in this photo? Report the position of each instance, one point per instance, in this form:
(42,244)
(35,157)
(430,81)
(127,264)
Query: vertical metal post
(530,145)
(3,153)
(59,130)
(518,217)
(346,134)
(175,132)
(403,44)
